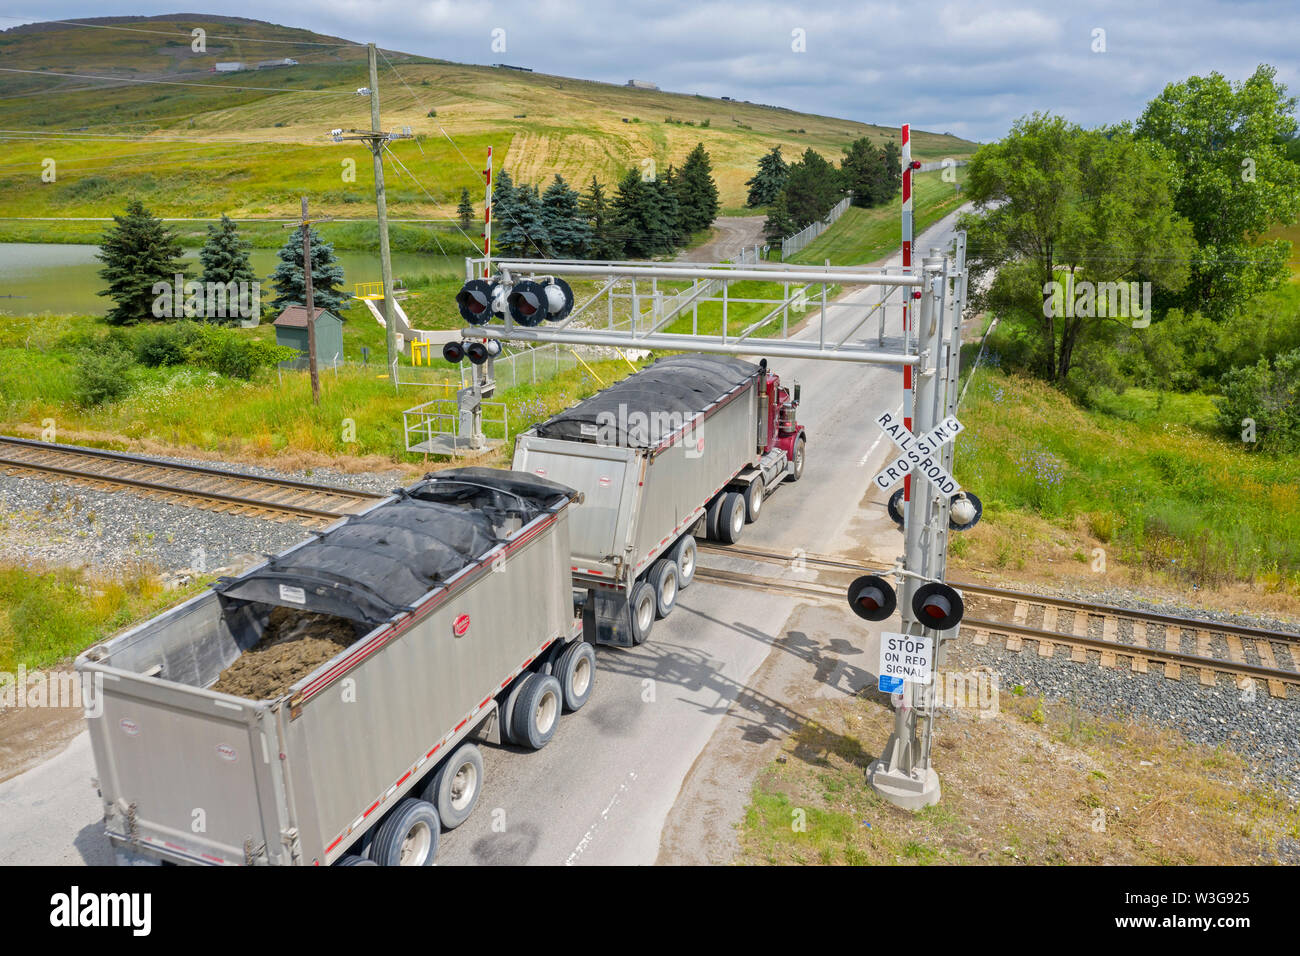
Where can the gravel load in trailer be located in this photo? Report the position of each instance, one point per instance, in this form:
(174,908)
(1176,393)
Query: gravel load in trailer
(690,445)
(321,705)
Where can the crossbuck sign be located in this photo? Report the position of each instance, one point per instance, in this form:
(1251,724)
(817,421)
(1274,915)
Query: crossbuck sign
(918,453)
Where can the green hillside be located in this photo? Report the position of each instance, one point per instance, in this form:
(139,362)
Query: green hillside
(192,144)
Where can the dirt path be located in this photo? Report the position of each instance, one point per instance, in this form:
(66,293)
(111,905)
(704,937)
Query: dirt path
(730,235)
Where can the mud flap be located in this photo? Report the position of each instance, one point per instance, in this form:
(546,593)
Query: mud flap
(607,618)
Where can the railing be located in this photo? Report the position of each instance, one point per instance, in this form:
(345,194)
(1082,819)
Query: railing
(797,242)
(435,426)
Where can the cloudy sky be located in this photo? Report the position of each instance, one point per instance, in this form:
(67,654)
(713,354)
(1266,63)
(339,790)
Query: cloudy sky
(968,68)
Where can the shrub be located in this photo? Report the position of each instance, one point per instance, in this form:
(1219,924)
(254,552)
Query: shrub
(1267,393)
(227,352)
(159,345)
(102,376)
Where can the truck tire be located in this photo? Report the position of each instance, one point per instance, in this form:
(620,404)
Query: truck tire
(537,712)
(711,512)
(576,672)
(753,500)
(408,836)
(455,786)
(684,557)
(799,455)
(353,860)
(507,709)
(731,522)
(663,578)
(642,607)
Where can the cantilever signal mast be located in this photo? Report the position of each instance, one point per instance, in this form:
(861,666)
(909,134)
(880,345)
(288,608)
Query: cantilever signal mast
(376,139)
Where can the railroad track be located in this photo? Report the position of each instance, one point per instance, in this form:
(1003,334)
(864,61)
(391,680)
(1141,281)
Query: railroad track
(1250,655)
(199,486)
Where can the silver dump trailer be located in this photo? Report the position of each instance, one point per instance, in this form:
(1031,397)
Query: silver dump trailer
(451,608)
(690,445)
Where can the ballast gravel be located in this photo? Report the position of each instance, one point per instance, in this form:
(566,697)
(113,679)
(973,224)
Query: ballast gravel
(56,523)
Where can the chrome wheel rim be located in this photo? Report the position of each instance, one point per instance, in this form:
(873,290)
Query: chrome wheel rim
(415,848)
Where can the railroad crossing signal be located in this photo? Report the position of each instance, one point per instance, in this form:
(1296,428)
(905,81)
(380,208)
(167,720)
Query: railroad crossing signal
(918,453)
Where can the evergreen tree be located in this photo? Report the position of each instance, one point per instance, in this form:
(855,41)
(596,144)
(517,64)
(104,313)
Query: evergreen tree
(812,187)
(224,257)
(863,171)
(465,211)
(568,231)
(137,252)
(596,212)
(697,193)
(769,179)
(779,225)
(666,221)
(326,275)
(524,233)
(634,211)
(503,201)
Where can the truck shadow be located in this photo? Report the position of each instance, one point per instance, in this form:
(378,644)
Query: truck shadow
(765,718)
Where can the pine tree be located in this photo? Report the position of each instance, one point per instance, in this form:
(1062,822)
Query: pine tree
(697,193)
(667,228)
(811,188)
(632,220)
(524,232)
(596,212)
(568,231)
(137,252)
(465,211)
(224,258)
(779,225)
(503,202)
(769,179)
(326,275)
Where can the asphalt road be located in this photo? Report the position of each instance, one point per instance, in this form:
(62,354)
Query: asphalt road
(601,791)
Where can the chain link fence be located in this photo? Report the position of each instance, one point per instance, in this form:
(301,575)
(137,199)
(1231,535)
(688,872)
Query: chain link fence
(802,238)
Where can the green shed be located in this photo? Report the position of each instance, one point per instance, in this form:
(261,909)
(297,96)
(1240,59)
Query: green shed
(291,330)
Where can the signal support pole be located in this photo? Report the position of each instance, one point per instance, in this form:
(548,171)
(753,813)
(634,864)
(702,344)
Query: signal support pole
(903,774)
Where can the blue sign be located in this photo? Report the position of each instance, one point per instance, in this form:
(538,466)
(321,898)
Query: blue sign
(890,685)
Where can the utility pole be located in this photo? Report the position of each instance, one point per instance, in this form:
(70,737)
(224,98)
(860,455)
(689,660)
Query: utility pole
(305,225)
(376,139)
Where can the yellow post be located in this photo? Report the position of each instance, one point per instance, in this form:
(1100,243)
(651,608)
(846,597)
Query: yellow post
(589,368)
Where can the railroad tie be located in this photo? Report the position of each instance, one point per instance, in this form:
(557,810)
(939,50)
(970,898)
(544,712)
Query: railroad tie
(1014,643)
(1082,621)
(1235,652)
(1173,670)
(1207,677)
(1050,613)
(979,637)
(1266,654)
(1277,688)
(1021,614)
(1107,658)
(1139,665)
(1079,654)
(1110,629)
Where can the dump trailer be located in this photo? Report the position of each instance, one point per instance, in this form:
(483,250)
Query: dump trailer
(451,607)
(690,445)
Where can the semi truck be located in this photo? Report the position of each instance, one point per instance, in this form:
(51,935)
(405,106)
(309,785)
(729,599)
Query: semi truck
(366,757)
(690,445)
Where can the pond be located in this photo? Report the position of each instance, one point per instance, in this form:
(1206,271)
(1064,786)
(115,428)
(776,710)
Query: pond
(64,277)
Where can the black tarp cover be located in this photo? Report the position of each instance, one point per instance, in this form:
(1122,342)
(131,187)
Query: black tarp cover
(644,409)
(382,562)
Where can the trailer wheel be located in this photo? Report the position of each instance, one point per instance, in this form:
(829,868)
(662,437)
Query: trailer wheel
(663,578)
(732,520)
(507,709)
(711,512)
(799,453)
(643,606)
(684,557)
(353,860)
(537,711)
(753,500)
(408,836)
(576,672)
(456,785)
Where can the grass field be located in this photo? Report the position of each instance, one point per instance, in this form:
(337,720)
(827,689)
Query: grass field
(201,149)
(865,235)
(1144,480)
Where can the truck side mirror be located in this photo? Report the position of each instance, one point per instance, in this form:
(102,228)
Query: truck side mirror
(796,393)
